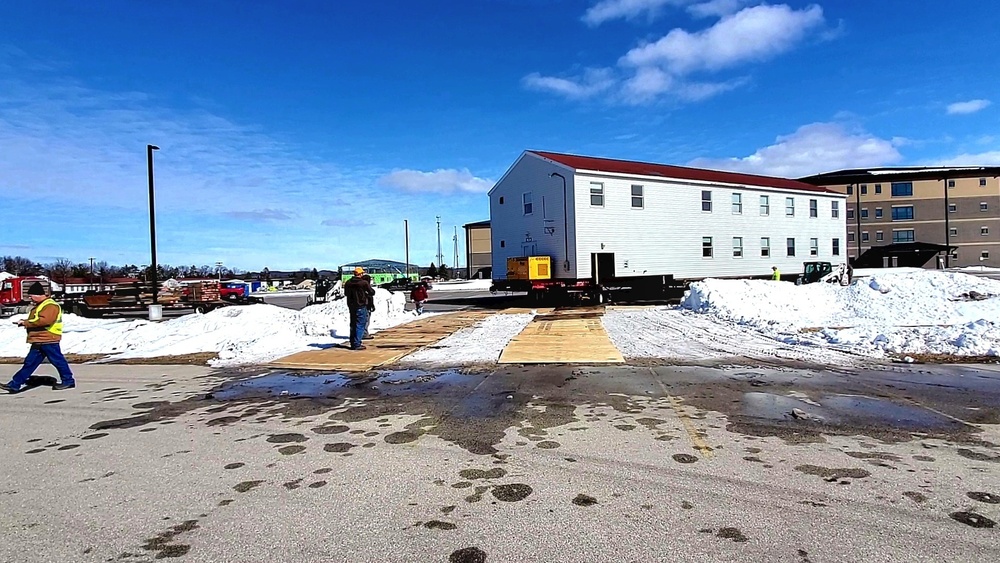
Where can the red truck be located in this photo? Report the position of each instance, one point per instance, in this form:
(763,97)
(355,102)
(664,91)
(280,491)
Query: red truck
(14,294)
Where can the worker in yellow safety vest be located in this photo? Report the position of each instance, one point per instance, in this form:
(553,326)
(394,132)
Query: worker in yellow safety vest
(44,327)
(775,274)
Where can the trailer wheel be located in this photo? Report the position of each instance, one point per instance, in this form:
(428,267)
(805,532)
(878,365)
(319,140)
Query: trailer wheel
(201,309)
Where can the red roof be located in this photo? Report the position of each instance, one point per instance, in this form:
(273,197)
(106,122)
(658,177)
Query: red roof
(681,172)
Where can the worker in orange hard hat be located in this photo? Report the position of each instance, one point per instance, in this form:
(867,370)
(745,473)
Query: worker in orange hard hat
(359,271)
(359,294)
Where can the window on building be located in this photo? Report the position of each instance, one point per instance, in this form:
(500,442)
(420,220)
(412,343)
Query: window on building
(501,200)
(790,244)
(864,213)
(526,201)
(984,231)
(902,189)
(952,207)
(982,181)
(878,212)
(850,190)
(850,237)
(765,247)
(706,200)
(502,244)
(850,214)
(706,247)
(738,203)
(814,247)
(835,209)
(983,206)
(951,183)
(864,236)
(836,247)
(904,235)
(789,207)
(953,231)
(879,237)
(954,255)
(737,247)
(814,208)
(985,255)
(637,197)
(597,194)
(765,205)
(864,189)
(878,188)
(902,213)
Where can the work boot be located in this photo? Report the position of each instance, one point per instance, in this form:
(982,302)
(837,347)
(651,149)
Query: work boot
(9,388)
(62,386)
(361,347)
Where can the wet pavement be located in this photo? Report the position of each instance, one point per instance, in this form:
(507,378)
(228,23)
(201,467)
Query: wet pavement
(540,463)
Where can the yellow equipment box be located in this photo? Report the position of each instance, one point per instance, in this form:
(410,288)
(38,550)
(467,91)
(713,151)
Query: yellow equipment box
(529,268)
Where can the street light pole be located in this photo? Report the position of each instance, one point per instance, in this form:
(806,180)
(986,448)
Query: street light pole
(91,273)
(152,218)
(440,256)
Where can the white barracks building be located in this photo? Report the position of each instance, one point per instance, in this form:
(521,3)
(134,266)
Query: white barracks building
(639,219)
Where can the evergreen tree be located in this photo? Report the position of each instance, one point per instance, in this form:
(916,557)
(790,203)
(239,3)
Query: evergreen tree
(443,272)
(432,271)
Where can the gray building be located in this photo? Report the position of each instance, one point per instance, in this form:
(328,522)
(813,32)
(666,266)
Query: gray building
(479,256)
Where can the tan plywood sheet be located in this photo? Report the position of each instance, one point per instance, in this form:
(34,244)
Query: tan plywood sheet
(570,340)
(387,347)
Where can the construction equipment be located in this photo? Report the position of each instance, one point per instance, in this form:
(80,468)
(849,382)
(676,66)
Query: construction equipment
(813,272)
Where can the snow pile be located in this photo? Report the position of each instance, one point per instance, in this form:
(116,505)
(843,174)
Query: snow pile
(5,275)
(480,343)
(462,285)
(239,335)
(898,312)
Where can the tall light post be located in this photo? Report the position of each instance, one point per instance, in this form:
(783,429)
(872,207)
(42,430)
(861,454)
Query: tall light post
(91,273)
(440,256)
(218,270)
(152,218)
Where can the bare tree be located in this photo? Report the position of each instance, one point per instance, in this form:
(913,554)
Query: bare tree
(60,271)
(20,266)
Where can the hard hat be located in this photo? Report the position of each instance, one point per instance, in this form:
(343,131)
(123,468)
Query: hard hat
(358,271)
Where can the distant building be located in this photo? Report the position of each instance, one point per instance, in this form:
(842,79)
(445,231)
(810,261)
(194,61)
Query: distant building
(380,270)
(951,206)
(477,249)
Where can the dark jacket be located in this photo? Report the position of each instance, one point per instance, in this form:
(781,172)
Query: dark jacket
(358,293)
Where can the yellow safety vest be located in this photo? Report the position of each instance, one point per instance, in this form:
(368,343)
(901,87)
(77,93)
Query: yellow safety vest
(776,275)
(56,327)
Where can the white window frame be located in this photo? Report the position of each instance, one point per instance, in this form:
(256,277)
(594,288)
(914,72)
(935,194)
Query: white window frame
(765,247)
(835,246)
(765,206)
(597,190)
(952,208)
(706,197)
(526,205)
(879,236)
(814,208)
(789,207)
(790,246)
(707,241)
(641,197)
(737,247)
(737,203)
(814,247)
(834,209)
(984,231)
(983,206)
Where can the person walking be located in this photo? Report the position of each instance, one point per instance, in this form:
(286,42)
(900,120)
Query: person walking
(358,293)
(44,327)
(775,274)
(419,295)
(371,307)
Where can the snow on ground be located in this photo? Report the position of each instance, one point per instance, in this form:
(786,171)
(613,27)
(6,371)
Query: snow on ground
(240,334)
(889,312)
(481,343)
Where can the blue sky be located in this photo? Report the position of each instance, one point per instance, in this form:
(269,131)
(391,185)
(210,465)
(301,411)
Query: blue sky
(302,134)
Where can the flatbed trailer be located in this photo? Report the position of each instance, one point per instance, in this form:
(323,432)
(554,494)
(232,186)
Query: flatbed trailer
(136,299)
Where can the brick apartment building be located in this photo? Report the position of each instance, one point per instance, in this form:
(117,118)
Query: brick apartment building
(953,206)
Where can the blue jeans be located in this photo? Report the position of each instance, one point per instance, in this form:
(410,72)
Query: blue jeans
(36,355)
(359,319)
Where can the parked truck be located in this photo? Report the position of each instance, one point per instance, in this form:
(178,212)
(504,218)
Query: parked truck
(14,294)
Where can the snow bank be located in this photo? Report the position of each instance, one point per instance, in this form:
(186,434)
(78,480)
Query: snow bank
(912,311)
(239,335)
(480,343)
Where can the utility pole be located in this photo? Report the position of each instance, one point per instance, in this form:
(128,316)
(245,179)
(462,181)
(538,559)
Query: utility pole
(406,244)
(91,273)
(152,219)
(454,263)
(440,256)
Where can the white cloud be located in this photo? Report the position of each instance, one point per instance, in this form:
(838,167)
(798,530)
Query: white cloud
(813,148)
(716,8)
(971,106)
(665,66)
(753,34)
(607,10)
(989,158)
(262,215)
(593,81)
(439,181)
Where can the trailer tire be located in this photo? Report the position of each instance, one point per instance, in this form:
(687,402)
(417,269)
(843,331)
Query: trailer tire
(201,309)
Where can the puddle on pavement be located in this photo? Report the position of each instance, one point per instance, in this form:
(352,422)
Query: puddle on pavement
(846,410)
(320,385)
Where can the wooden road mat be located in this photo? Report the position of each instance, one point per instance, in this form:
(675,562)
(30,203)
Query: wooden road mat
(562,339)
(388,346)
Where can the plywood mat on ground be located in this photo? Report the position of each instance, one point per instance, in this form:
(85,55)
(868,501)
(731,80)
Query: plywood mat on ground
(572,339)
(388,345)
